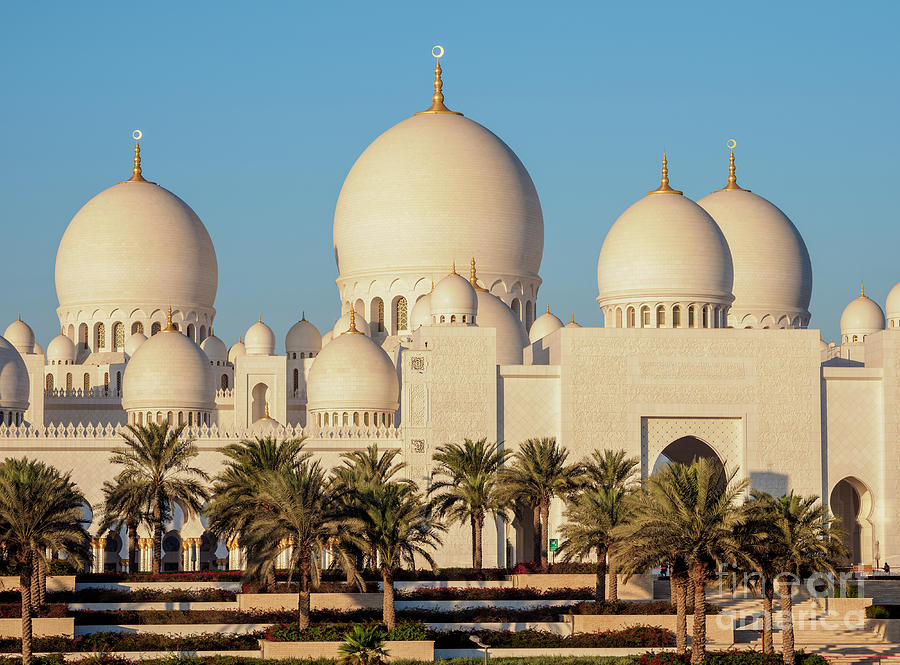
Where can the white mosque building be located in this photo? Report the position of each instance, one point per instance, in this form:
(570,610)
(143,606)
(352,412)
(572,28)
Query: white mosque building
(704,351)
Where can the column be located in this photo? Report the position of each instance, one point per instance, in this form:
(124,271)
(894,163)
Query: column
(195,554)
(185,563)
(100,558)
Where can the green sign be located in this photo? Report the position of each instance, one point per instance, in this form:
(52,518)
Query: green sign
(554,544)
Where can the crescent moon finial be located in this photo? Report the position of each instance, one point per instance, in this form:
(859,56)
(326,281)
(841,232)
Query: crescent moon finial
(437,99)
(437,51)
(732,178)
(732,144)
(137,134)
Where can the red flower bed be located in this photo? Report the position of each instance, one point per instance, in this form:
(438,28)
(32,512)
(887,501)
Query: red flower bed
(511,593)
(634,637)
(200,576)
(14,611)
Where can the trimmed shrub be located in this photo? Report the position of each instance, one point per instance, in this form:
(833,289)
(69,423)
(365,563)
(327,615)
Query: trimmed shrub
(632,637)
(631,608)
(14,611)
(731,657)
(509,593)
(882,612)
(335,632)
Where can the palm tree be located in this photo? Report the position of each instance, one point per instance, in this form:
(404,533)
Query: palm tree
(538,473)
(611,469)
(468,489)
(690,513)
(300,510)
(395,526)
(803,541)
(235,497)
(158,470)
(593,521)
(124,509)
(363,645)
(40,508)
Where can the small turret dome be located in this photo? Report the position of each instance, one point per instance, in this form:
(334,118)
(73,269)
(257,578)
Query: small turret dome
(21,336)
(303,337)
(892,306)
(61,351)
(453,300)
(421,312)
(215,350)
(860,318)
(342,325)
(133,343)
(38,349)
(572,324)
(511,335)
(543,325)
(259,340)
(237,350)
(14,382)
(326,337)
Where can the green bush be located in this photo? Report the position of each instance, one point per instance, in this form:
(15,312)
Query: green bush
(105,642)
(335,632)
(881,612)
(508,593)
(632,637)
(731,657)
(631,608)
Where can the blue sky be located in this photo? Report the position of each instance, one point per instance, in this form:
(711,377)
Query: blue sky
(253,113)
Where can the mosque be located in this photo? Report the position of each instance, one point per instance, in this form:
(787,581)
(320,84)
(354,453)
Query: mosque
(704,351)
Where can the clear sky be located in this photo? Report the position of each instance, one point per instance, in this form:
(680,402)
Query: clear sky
(254,112)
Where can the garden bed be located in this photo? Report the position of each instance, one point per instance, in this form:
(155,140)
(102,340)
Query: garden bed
(40,627)
(719,628)
(626,638)
(503,593)
(105,642)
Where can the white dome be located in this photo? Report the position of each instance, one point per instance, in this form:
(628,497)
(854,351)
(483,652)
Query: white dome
(21,336)
(664,247)
(543,325)
(353,373)
(136,245)
(38,349)
(215,350)
(421,312)
(237,350)
(61,351)
(259,340)
(572,324)
(342,325)
(439,186)
(772,270)
(453,295)
(168,372)
(133,343)
(511,336)
(14,383)
(892,304)
(861,317)
(326,337)
(303,337)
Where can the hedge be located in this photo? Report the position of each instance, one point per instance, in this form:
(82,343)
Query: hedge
(137,642)
(335,632)
(632,637)
(509,593)
(631,608)
(730,657)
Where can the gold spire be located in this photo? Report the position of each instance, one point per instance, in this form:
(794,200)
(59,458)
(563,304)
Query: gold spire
(20,316)
(303,316)
(548,308)
(268,417)
(453,268)
(573,318)
(732,179)
(664,180)
(352,329)
(170,327)
(437,99)
(473,278)
(136,171)
(862,290)
(260,318)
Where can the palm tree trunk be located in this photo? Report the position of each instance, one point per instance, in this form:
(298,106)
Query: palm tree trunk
(157,534)
(698,639)
(35,585)
(132,547)
(545,534)
(269,580)
(477,541)
(787,622)
(387,606)
(600,583)
(25,582)
(768,597)
(536,520)
(678,592)
(304,590)
(42,582)
(613,584)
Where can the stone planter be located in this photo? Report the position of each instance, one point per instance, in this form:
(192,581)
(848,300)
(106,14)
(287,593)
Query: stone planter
(311,650)
(273,602)
(64,626)
(719,627)
(639,587)
(54,583)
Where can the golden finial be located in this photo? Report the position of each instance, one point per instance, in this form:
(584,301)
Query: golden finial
(432,286)
(437,99)
(170,327)
(473,278)
(862,290)
(732,179)
(136,171)
(303,316)
(240,341)
(664,180)
(548,308)
(573,318)
(260,318)
(20,316)
(268,417)
(352,329)
(453,268)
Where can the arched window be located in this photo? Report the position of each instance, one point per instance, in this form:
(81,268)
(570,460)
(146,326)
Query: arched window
(49,385)
(631,317)
(118,336)
(453,318)
(356,418)
(224,382)
(190,330)
(137,327)
(319,419)
(180,418)
(155,328)
(106,382)
(140,418)
(692,316)
(645,317)
(118,383)
(190,418)
(170,418)
(366,419)
(99,337)
(855,338)
(442,318)
(660,316)
(87,383)
(83,335)
(69,381)
(676,316)
(400,314)
(618,317)
(334,418)
(517,308)
(345,419)
(706,317)
(202,335)
(296,380)
(529,313)
(326,419)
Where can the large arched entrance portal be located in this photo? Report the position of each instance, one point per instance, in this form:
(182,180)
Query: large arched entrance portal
(686,450)
(851,504)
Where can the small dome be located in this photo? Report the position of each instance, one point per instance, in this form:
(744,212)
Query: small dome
(61,351)
(259,340)
(303,337)
(38,349)
(353,373)
(453,295)
(861,317)
(511,335)
(237,350)
(215,350)
(421,312)
(21,336)
(326,337)
(342,325)
(14,383)
(133,343)
(572,324)
(543,325)
(168,372)
(892,304)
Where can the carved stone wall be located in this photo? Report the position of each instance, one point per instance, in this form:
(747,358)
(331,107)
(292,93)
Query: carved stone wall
(724,435)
